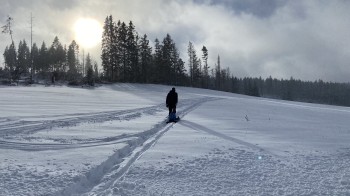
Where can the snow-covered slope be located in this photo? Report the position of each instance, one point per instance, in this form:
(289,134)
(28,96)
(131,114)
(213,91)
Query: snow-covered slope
(113,140)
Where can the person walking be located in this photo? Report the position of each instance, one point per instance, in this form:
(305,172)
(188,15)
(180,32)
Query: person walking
(171,101)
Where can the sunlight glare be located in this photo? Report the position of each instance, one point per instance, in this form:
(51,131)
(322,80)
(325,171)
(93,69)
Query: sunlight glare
(88,32)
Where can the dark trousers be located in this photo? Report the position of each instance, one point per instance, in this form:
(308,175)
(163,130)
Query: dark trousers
(172,108)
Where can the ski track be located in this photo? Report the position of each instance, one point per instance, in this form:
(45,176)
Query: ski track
(99,179)
(14,127)
(237,171)
(199,127)
(232,170)
(236,168)
(253,147)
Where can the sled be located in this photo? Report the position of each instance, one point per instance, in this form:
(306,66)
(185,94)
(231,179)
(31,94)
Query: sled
(173,118)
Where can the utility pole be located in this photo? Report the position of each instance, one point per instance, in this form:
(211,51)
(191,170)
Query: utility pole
(31,48)
(83,63)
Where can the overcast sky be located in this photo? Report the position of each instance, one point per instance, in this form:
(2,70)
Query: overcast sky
(305,39)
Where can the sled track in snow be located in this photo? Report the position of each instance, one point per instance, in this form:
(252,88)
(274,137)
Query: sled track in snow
(100,178)
(13,127)
(9,128)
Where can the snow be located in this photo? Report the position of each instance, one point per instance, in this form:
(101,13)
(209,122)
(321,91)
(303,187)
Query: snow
(114,140)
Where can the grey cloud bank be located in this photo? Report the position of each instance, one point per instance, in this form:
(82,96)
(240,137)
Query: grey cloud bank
(301,39)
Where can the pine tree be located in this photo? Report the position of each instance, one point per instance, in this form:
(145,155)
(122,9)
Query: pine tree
(23,59)
(114,52)
(190,61)
(157,61)
(88,62)
(73,61)
(105,48)
(122,51)
(167,65)
(43,60)
(96,74)
(205,67)
(194,65)
(177,67)
(10,56)
(57,55)
(90,76)
(218,79)
(8,27)
(133,74)
(35,57)
(145,60)
(109,48)
(181,77)
(90,72)
(197,70)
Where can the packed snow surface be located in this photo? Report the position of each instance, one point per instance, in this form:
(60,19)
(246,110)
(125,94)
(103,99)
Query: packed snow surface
(114,140)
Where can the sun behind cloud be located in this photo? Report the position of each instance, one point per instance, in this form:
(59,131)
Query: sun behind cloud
(88,32)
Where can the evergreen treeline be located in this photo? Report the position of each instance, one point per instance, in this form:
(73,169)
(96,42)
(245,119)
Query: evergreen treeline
(128,57)
(56,62)
(292,89)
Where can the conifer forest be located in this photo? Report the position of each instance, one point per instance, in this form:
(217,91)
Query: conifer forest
(130,57)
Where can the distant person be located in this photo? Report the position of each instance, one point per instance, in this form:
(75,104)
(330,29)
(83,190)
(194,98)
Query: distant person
(171,101)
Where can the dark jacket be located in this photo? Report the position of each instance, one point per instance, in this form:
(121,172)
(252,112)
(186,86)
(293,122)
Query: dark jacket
(171,98)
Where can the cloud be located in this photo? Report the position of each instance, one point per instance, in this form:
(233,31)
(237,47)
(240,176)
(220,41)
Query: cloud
(259,8)
(63,4)
(305,40)
(281,38)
